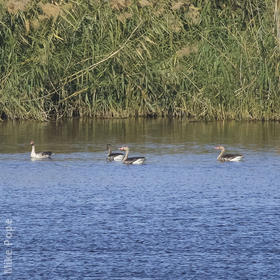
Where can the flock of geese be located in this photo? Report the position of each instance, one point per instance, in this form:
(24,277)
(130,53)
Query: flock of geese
(113,156)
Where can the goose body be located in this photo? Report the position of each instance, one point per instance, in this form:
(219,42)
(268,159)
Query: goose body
(227,157)
(131,160)
(40,155)
(114,156)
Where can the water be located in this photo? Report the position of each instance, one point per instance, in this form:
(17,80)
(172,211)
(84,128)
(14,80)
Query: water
(182,215)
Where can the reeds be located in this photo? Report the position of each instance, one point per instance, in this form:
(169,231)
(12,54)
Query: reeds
(122,58)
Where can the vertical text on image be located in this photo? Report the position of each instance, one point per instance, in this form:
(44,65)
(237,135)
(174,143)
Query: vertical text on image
(8,252)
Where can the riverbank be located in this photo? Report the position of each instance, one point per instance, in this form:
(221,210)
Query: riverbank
(115,59)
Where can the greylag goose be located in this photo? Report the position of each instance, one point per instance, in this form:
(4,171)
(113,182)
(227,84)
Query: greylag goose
(131,160)
(227,157)
(113,156)
(39,155)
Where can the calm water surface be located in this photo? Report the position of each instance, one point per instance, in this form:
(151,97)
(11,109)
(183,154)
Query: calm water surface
(182,215)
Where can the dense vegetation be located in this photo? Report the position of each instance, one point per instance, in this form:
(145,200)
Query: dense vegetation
(211,59)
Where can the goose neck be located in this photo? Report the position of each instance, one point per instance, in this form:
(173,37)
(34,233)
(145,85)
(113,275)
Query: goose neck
(221,154)
(126,155)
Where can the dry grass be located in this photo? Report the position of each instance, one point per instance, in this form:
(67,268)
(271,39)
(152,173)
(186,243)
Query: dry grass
(194,14)
(50,10)
(120,4)
(145,3)
(180,4)
(186,51)
(123,17)
(14,6)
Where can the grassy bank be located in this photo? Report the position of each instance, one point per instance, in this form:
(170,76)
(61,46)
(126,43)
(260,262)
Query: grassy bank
(120,58)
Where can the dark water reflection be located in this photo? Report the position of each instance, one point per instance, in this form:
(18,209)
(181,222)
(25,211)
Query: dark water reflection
(90,136)
(182,215)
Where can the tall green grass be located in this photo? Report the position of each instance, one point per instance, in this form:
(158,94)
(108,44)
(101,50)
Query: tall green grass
(118,58)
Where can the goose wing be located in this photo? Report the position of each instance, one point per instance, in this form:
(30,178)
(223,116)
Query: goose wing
(46,154)
(131,160)
(232,156)
(115,154)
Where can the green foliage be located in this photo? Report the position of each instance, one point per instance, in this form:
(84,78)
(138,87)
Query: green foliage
(119,58)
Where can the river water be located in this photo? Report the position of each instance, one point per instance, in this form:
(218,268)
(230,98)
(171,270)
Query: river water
(181,215)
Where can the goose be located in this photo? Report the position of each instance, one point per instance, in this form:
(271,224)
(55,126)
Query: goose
(41,155)
(113,156)
(227,157)
(131,160)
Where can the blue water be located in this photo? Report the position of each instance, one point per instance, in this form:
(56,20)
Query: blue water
(182,215)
